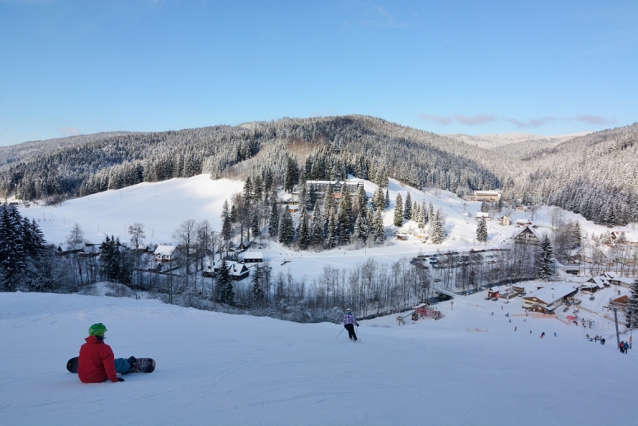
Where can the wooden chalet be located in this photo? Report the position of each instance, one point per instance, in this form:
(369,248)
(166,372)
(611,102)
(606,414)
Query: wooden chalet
(547,299)
(527,237)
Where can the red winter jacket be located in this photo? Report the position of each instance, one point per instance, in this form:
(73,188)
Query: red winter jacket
(96,362)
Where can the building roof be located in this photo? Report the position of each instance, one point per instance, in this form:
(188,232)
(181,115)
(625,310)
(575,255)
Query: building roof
(253,255)
(552,293)
(165,250)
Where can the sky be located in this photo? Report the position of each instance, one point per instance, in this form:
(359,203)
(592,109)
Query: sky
(79,67)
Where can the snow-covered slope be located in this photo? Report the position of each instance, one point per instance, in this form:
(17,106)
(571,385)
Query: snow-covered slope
(223,369)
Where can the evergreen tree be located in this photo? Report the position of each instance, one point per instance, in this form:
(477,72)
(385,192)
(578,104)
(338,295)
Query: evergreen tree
(312,196)
(286,228)
(292,175)
(424,214)
(481,231)
(430,212)
(361,227)
(378,199)
(398,211)
(386,202)
(226,226)
(303,234)
(346,204)
(226,294)
(254,224)
(273,223)
(407,210)
(258,188)
(379,229)
(329,200)
(362,198)
(545,260)
(436,231)
(343,226)
(631,312)
(257,290)
(12,251)
(331,232)
(248,190)
(317,227)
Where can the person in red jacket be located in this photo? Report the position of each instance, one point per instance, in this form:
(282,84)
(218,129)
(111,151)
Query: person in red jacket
(97,363)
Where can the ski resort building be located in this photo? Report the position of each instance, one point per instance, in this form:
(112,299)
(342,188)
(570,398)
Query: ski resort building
(547,299)
(489,196)
(321,187)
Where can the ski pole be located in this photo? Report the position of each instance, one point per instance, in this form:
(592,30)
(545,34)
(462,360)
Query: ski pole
(340,332)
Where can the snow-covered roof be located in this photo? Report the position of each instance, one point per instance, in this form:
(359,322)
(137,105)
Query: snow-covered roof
(552,293)
(597,282)
(165,250)
(482,214)
(253,255)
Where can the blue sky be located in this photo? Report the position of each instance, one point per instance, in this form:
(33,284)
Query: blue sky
(546,67)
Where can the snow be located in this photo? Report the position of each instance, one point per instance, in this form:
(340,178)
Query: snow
(222,369)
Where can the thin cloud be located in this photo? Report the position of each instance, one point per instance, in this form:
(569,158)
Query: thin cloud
(377,16)
(69,131)
(593,119)
(475,119)
(435,118)
(531,123)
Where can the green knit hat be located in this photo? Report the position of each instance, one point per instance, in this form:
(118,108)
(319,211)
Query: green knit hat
(97,329)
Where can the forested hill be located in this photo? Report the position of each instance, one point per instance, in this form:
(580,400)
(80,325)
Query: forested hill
(323,148)
(594,175)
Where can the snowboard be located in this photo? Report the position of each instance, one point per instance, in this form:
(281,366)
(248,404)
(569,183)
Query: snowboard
(144,365)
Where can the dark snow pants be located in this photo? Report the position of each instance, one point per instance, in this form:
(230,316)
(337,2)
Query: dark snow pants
(350,328)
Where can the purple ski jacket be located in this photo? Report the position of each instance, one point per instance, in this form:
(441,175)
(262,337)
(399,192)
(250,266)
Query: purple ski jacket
(349,319)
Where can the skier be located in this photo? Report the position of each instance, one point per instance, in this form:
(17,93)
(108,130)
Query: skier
(97,363)
(349,322)
(542,334)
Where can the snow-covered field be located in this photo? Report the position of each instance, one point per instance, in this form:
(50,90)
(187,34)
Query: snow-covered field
(224,369)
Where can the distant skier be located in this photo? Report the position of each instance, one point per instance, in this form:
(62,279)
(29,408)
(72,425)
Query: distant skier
(542,334)
(97,363)
(349,322)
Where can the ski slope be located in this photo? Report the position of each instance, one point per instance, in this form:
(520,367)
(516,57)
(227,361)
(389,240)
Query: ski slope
(221,369)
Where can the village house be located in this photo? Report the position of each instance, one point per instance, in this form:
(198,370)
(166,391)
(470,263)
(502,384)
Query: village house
(483,215)
(548,298)
(489,196)
(527,237)
(164,253)
(504,221)
(523,222)
(237,271)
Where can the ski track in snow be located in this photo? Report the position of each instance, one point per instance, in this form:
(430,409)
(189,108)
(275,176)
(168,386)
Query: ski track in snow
(224,369)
